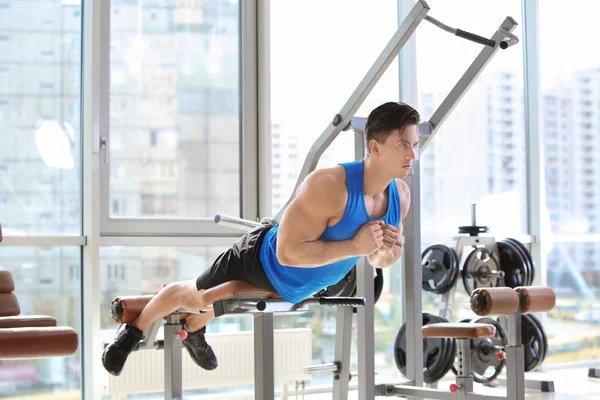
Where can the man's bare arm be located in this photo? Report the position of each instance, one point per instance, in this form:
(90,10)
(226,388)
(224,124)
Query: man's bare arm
(321,197)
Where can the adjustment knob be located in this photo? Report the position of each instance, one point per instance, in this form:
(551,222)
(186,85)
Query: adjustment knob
(183,334)
(454,388)
(501,355)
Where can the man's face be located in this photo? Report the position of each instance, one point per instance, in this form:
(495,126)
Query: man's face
(399,151)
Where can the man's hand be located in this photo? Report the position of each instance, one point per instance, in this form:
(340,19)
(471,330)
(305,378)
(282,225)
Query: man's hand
(368,239)
(391,236)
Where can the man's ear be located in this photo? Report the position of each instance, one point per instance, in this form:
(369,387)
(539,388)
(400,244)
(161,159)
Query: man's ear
(374,146)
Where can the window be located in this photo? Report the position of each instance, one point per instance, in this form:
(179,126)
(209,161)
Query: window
(40,132)
(573,267)
(47,282)
(175,102)
(472,147)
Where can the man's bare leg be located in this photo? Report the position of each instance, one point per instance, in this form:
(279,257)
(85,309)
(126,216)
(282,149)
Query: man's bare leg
(195,322)
(183,294)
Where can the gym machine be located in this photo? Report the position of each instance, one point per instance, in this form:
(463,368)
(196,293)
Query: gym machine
(238,297)
(234,297)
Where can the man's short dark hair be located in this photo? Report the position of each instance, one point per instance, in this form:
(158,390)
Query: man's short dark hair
(386,118)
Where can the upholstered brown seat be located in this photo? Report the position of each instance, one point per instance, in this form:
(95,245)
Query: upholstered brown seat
(30,336)
(458,330)
(125,309)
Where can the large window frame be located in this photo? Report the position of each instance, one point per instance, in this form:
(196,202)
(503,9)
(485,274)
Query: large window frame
(187,227)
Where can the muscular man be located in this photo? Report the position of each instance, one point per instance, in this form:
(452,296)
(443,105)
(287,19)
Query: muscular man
(338,215)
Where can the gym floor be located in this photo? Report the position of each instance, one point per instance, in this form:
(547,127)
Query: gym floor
(569,384)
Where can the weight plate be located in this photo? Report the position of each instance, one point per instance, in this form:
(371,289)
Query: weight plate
(480,270)
(346,287)
(440,268)
(528,268)
(378,283)
(544,336)
(529,258)
(438,353)
(515,272)
(485,364)
(533,342)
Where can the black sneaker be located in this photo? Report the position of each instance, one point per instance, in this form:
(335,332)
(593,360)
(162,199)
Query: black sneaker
(116,353)
(199,350)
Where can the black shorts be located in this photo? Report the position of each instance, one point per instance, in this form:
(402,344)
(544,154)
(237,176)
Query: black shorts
(240,262)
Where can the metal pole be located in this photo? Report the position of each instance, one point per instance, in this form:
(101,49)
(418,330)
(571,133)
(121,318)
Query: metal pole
(264,359)
(413,281)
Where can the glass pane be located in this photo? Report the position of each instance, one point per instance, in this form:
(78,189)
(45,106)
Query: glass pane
(570,109)
(478,155)
(313,73)
(174,109)
(40,64)
(47,282)
(336,55)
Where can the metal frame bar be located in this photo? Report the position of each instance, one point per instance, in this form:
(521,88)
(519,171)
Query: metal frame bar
(461,87)
(344,117)
(534,138)
(95,44)
(43,241)
(264,358)
(343,342)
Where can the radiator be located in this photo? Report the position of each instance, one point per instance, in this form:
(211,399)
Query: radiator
(143,372)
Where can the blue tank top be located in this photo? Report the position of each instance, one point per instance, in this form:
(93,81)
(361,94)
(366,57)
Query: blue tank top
(295,284)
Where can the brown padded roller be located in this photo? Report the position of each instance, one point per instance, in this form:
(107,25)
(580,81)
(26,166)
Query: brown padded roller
(16,343)
(9,305)
(536,298)
(26,321)
(496,301)
(458,330)
(132,307)
(7,284)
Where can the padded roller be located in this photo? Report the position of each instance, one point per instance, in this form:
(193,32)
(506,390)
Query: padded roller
(9,305)
(7,284)
(494,301)
(458,330)
(19,343)
(536,298)
(127,308)
(27,321)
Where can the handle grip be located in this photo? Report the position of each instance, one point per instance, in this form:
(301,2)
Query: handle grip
(342,301)
(475,38)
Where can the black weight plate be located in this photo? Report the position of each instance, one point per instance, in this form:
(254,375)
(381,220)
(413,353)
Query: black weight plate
(346,287)
(511,264)
(525,260)
(529,259)
(533,342)
(522,260)
(378,284)
(436,352)
(480,261)
(440,266)
(544,343)
(485,365)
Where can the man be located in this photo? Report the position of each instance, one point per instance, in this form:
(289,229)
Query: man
(338,215)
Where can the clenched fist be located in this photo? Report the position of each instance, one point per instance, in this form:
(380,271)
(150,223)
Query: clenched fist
(368,239)
(391,236)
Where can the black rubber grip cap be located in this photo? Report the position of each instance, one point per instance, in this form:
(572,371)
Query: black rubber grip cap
(478,302)
(475,38)
(342,301)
